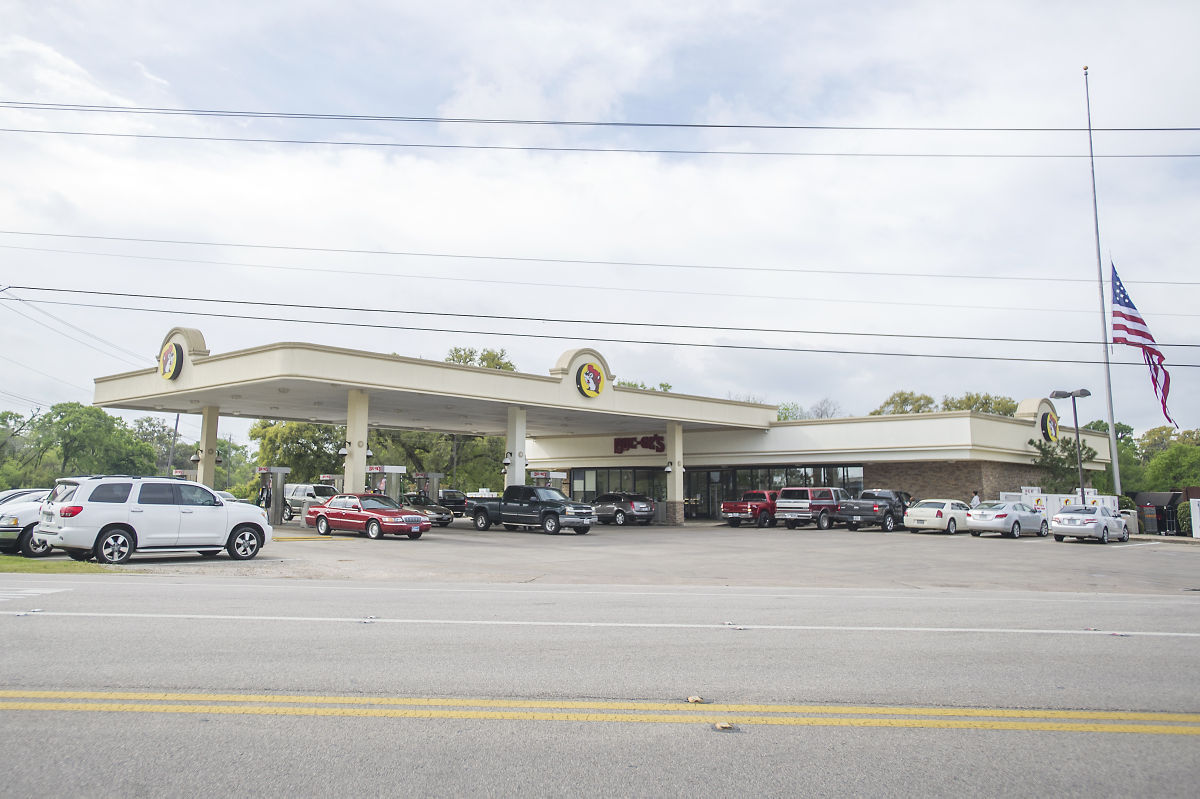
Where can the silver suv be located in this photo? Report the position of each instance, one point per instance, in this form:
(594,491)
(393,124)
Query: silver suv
(296,494)
(110,517)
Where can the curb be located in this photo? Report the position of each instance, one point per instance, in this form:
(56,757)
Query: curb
(1166,539)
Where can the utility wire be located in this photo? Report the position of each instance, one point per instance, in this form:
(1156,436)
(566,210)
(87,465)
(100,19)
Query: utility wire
(550,149)
(525,259)
(552,320)
(118,109)
(553,337)
(141,360)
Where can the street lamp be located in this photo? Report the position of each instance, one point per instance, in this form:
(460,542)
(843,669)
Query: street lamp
(1079,392)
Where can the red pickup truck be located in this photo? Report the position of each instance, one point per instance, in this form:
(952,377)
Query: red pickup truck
(757,507)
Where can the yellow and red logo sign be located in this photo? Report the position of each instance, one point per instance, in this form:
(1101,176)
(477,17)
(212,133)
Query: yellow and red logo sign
(1049,426)
(589,380)
(170,361)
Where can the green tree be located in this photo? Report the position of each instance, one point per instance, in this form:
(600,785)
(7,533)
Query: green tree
(488,359)
(1059,465)
(309,449)
(790,411)
(159,435)
(1175,468)
(643,386)
(87,440)
(1154,441)
(1132,468)
(906,402)
(1124,431)
(981,403)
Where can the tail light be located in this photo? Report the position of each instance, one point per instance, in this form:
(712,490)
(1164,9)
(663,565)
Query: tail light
(1090,521)
(875,508)
(1001,515)
(968,514)
(939,514)
(67,511)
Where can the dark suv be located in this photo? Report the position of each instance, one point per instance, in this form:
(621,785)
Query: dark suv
(623,507)
(453,499)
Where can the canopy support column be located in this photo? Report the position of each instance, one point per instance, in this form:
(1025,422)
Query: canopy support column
(206,469)
(355,475)
(675,476)
(514,447)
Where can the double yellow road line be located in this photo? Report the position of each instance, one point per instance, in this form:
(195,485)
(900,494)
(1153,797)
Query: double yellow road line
(1092,721)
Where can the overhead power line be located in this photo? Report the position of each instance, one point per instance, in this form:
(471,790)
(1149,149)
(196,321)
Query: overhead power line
(552,320)
(551,149)
(642,342)
(532,259)
(200,112)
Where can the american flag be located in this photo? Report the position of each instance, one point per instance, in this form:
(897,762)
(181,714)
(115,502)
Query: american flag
(1130,328)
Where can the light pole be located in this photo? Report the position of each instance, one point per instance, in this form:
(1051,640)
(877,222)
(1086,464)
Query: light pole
(1079,392)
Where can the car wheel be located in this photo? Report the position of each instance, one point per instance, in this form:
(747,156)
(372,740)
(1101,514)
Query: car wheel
(33,547)
(1104,536)
(790,525)
(443,524)
(322,525)
(210,553)
(951,527)
(1015,530)
(619,518)
(582,530)
(823,522)
(1044,530)
(1124,534)
(735,522)
(244,543)
(374,531)
(975,533)
(550,524)
(851,526)
(414,536)
(482,522)
(764,519)
(889,523)
(114,547)
(1059,538)
(287,513)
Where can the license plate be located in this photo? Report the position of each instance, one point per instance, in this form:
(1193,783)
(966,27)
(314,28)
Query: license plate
(918,521)
(416,528)
(858,518)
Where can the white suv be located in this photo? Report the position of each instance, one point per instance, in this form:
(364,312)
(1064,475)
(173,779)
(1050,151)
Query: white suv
(109,517)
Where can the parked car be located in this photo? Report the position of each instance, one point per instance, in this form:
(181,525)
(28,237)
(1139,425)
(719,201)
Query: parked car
(110,517)
(18,518)
(757,507)
(937,514)
(623,507)
(453,499)
(16,494)
(1006,518)
(876,507)
(800,506)
(438,514)
(296,494)
(533,506)
(372,515)
(1095,521)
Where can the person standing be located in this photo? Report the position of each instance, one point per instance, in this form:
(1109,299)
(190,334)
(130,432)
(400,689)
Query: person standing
(975,500)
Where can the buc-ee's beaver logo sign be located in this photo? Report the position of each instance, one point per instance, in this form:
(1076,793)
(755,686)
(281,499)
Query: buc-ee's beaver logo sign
(590,380)
(170,361)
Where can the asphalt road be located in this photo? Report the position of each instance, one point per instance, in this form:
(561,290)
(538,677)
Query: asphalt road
(513,663)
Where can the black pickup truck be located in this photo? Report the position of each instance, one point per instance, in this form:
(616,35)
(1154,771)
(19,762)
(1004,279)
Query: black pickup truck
(876,507)
(533,506)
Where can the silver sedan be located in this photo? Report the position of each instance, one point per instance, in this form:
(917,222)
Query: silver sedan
(1006,518)
(1082,522)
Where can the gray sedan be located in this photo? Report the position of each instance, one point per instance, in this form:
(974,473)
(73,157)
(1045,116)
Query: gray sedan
(438,514)
(1006,518)
(1082,522)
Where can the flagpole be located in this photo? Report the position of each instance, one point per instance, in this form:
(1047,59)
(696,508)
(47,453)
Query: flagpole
(1112,425)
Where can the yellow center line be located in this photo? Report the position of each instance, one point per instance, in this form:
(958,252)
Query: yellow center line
(683,710)
(625,718)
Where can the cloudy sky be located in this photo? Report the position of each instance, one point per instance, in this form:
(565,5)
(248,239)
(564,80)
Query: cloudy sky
(762,231)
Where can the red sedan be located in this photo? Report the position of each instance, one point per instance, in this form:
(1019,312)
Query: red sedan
(374,515)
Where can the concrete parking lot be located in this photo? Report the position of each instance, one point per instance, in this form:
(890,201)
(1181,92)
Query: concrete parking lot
(714,554)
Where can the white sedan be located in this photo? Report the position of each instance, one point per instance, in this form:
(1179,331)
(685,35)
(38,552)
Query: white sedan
(1082,522)
(1006,518)
(937,514)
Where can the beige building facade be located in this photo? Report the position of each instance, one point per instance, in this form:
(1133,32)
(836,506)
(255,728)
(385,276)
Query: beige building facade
(687,451)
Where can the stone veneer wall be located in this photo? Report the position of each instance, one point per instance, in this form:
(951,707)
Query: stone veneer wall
(957,480)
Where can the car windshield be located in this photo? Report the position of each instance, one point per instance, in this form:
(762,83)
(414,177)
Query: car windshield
(929,503)
(1077,509)
(379,502)
(991,505)
(551,495)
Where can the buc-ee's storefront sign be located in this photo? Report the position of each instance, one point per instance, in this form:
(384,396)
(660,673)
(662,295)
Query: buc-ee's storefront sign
(589,380)
(652,443)
(1048,426)
(170,361)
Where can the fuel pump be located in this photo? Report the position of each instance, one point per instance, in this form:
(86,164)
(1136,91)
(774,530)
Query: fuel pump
(428,483)
(387,480)
(270,491)
(334,480)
